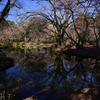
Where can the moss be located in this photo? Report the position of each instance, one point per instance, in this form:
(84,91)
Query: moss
(30,43)
(30,48)
(21,43)
(38,48)
(21,47)
(29,99)
(15,44)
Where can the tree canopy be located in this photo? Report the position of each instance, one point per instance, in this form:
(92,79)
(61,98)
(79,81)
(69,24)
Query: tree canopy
(73,19)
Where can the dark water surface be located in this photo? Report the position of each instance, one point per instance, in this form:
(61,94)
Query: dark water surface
(42,75)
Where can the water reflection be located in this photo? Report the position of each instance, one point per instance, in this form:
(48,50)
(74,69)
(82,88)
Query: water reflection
(55,77)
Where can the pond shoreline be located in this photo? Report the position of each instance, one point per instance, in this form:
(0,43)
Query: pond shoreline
(88,51)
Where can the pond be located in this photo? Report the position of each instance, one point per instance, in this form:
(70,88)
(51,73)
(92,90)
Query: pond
(42,75)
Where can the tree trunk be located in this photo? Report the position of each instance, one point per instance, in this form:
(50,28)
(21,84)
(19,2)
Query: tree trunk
(97,42)
(25,39)
(59,41)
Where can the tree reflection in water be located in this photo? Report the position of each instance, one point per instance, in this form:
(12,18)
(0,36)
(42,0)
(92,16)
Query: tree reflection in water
(67,76)
(60,76)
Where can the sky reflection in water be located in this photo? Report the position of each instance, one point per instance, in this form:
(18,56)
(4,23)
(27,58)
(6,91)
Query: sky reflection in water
(63,76)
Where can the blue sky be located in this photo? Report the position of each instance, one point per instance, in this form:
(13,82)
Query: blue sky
(27,5)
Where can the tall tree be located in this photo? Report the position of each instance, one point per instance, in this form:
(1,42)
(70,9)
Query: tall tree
(32,28)
(82,20)
(57,13)
(61,14)
(96,29)
(6,9)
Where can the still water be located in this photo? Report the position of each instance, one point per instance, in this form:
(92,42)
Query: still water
(43,75)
